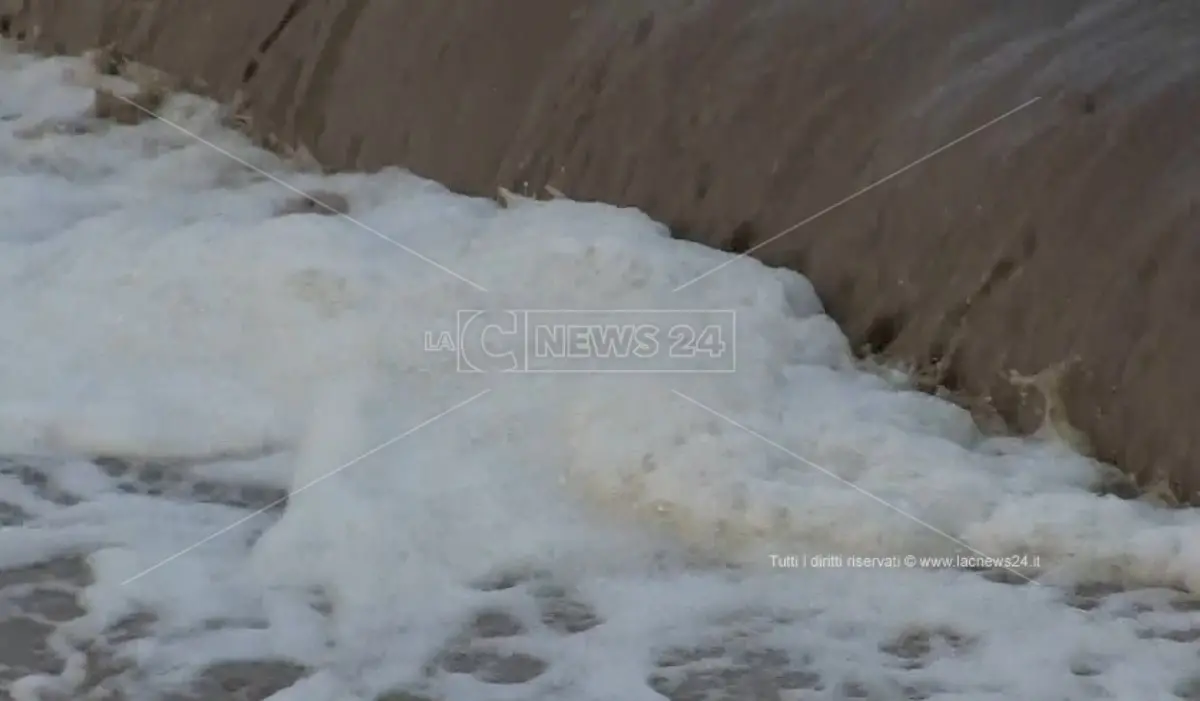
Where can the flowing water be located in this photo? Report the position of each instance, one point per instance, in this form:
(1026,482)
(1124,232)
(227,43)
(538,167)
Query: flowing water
(182,348)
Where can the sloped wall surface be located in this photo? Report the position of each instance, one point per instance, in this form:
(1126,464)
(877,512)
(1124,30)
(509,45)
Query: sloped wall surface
(1068,230)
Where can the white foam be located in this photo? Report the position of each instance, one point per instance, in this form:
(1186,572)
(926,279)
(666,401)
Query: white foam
(153,307)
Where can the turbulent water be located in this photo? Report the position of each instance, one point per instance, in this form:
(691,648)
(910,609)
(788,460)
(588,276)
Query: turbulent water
(179,353)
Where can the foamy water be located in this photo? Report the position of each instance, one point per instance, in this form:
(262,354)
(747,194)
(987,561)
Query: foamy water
(518,536)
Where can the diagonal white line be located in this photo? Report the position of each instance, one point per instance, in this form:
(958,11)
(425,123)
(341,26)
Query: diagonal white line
(298,191)
(303,487)
(839,478)
(863,191)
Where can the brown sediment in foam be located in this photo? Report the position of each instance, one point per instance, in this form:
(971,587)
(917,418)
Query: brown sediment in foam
(1065,230)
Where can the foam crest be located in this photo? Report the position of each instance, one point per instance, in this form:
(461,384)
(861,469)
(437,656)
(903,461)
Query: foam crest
(181,355)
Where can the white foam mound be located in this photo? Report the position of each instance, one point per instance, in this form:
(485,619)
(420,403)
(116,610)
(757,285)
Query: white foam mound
(154,306)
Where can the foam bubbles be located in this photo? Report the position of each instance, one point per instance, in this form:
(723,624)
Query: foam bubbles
(178,355)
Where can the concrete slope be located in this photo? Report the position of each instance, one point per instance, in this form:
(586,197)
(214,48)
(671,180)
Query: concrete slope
(1066,232)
